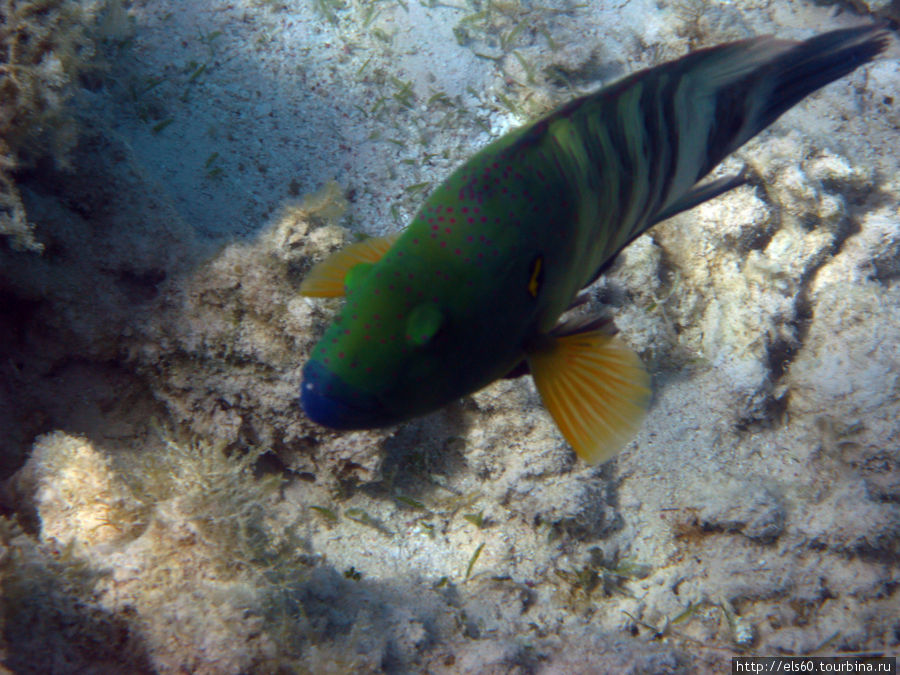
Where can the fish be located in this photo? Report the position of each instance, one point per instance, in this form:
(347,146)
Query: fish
(473,290)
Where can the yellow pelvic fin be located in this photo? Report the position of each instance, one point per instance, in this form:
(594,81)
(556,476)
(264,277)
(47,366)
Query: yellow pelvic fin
(326,279)
(595,388)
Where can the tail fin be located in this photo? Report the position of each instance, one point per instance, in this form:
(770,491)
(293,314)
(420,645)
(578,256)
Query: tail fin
(653,135)
(779,75)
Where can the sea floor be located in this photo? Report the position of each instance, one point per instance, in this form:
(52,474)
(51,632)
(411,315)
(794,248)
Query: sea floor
(168,508)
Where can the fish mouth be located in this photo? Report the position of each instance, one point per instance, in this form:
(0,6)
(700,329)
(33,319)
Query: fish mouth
(330,402)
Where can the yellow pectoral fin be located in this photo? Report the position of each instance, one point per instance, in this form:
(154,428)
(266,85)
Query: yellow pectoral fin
(595,388)
(326,279)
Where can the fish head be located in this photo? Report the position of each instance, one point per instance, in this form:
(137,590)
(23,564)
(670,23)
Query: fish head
(384,359)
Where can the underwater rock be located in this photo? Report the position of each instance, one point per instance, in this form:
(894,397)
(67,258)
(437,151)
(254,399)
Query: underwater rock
(179,540)
(65,315)
(584,652)
(844,381)
(757,505)
(734,505)
(48,49)
(848,519)
(79,500)
(575,506)
(733,276)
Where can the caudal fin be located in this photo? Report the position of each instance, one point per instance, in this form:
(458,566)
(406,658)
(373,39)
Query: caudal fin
(658,132)
(753,82)
(812,64)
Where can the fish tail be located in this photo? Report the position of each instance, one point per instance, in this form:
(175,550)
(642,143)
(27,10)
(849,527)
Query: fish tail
(651,137)
(726,95)
(779,74)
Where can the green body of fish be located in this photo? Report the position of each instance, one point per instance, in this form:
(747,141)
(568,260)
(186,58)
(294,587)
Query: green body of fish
(478,281)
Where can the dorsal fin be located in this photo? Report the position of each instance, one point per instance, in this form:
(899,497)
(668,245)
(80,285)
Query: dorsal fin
(326,279)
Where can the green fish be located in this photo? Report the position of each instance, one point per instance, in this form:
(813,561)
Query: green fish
(473,290)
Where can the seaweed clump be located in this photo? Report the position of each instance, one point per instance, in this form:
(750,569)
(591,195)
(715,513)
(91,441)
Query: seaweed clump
(156,548)
(45,47)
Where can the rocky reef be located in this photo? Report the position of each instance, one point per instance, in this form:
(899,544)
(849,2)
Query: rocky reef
(167,507)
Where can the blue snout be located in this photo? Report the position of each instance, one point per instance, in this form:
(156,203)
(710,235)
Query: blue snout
(329,401)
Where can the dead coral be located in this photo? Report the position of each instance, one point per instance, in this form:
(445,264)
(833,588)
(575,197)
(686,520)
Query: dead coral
(13,222)
(45,45)
(80,500)
(209,558)
(49,621)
